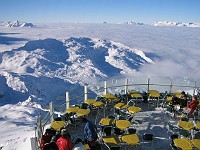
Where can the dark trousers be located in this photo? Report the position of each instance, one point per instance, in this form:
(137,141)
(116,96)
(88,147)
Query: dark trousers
(94,145)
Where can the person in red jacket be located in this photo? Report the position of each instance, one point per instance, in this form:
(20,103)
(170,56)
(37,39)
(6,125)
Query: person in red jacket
(64,142)
(191,106)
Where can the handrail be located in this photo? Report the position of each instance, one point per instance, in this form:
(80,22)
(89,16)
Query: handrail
(125,85)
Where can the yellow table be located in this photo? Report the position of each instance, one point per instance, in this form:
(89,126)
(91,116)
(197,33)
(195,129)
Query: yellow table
(136,95)
(72,109)
(107,121)
(122,124)
(134,109)
(186,125)
(98,104)
(111,98)
(196,143)
(197,125)
(121,106)
(90,101)
(183,143)
(56,125)
(131,139)
(133,92)
(113,140)
(82,112)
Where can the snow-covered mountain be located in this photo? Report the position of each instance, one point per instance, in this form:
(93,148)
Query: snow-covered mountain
(38,66)
(16,24)
(134,23)
(179,24)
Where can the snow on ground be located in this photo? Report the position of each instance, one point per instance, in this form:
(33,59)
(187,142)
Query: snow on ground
(17,124)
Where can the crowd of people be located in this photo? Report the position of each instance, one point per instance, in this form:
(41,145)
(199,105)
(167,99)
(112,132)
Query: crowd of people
(186,105)
(61,140)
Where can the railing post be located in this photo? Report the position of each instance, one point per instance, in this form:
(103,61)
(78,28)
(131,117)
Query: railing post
(105,87)
(34,145)
(67,100)
(195,87)
(148,85)
(51,112)
(85,93)
(171,85)
(39,131)
(126,86)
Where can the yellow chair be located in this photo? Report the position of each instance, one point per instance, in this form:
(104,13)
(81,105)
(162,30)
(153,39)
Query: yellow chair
(176,94)
(183,143)
(131,139)
(111,98)
(112,141)
(137,97)
(153,95)
(133,92)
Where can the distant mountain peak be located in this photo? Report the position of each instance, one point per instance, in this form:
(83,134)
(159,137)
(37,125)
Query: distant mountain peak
(16,23)
(179,24)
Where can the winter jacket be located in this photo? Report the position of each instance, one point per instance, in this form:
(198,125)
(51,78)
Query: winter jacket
(90,131)
(64,144)
(46,138)
(192,105)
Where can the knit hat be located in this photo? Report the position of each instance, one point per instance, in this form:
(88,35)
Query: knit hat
(63,132)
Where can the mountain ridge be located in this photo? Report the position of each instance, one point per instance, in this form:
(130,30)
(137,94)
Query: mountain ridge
(73,61)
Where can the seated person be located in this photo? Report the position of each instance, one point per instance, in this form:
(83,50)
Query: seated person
(46,138)
(191,106)
(182,100)
(64,142)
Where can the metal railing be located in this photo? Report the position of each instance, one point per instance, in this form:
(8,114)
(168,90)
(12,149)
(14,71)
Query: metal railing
(123,86)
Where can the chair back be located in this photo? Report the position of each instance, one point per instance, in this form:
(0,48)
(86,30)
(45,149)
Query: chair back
(107,130)
(148,137)
(131,131)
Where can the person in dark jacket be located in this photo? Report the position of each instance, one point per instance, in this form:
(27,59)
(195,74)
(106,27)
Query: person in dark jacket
(46,138)
(90,134)
(182,100)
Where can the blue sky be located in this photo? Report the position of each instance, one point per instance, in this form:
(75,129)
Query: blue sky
(93,11)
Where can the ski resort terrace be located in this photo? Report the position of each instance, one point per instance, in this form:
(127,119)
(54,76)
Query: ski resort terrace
(142,102)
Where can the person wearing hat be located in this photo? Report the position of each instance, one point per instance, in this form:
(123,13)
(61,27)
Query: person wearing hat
(64,142)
